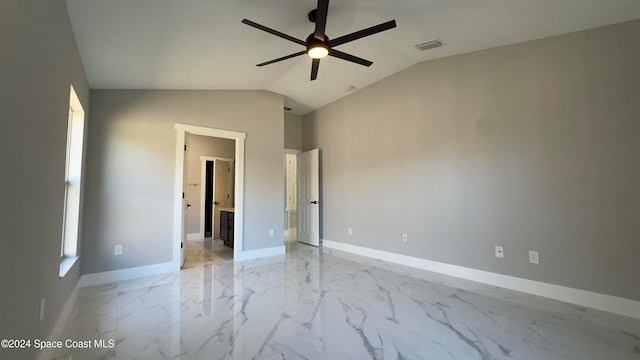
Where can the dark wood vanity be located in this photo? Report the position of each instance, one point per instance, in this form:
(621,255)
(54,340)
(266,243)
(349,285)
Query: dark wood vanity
(226,225)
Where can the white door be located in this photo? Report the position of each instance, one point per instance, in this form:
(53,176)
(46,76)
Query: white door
(183,243)
(308,203)
(221,195)
(185,206)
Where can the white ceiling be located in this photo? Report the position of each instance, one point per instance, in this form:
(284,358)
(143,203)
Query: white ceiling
(201,44)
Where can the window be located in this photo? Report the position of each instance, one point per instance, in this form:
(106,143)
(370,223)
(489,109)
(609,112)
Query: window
(72,184)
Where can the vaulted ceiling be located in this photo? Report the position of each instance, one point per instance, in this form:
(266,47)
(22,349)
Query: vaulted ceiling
(201,44)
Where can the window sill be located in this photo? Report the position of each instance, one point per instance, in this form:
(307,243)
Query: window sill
(66,264)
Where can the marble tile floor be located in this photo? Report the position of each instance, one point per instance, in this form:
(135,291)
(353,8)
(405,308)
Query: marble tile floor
(205,251)
(318,303)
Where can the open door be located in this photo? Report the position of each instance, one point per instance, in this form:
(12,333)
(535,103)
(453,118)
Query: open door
(308,203)
(185,207)
(222,195)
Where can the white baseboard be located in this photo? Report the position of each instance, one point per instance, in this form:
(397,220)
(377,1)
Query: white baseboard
(613,304)
(126,274)
(195,236)
(61,322)
(258,253)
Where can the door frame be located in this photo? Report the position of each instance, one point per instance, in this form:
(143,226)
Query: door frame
(203,180)
(178,213)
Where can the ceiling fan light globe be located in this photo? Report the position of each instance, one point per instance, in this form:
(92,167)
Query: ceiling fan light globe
(317,52)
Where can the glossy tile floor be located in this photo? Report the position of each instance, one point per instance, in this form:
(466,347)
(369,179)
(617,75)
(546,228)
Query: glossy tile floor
(205,251)
(325,304)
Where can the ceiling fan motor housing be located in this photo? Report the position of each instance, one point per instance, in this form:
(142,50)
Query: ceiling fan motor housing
(313,42)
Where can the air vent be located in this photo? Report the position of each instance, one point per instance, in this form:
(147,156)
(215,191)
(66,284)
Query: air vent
(429,45)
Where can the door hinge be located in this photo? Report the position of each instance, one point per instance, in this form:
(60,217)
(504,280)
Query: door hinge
(183,195)
(181,245)
(185,147)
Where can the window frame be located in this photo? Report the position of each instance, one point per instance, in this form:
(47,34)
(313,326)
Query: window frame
(72,184)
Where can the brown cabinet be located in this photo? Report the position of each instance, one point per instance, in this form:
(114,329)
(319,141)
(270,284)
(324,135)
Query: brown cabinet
(226,227)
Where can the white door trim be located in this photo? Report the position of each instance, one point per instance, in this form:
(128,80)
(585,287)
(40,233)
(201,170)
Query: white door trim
(182,130)
(203,181)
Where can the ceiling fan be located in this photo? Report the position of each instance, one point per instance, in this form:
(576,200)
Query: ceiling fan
(318,44)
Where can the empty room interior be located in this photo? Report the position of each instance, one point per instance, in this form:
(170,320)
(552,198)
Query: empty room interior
(353,179)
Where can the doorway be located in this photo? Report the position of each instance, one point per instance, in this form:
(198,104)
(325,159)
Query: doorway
(208,199)
(209,179)
(182,187)
(217,193)
(290,193)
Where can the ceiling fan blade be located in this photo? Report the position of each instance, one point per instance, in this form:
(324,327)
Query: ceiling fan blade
(321,19)
(282,58)
(315,64)
(362,33)
(273,32)
(349,57)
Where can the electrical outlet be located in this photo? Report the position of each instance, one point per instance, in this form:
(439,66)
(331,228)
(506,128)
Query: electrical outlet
(118,250)
(271,232)
(405,237)
(350,231)
(499,252)
(534,257)
(41,309)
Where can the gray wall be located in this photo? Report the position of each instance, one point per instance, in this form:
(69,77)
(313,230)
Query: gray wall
(38,62)
(292,131)
(201,146)
(131,162)
(533,146)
